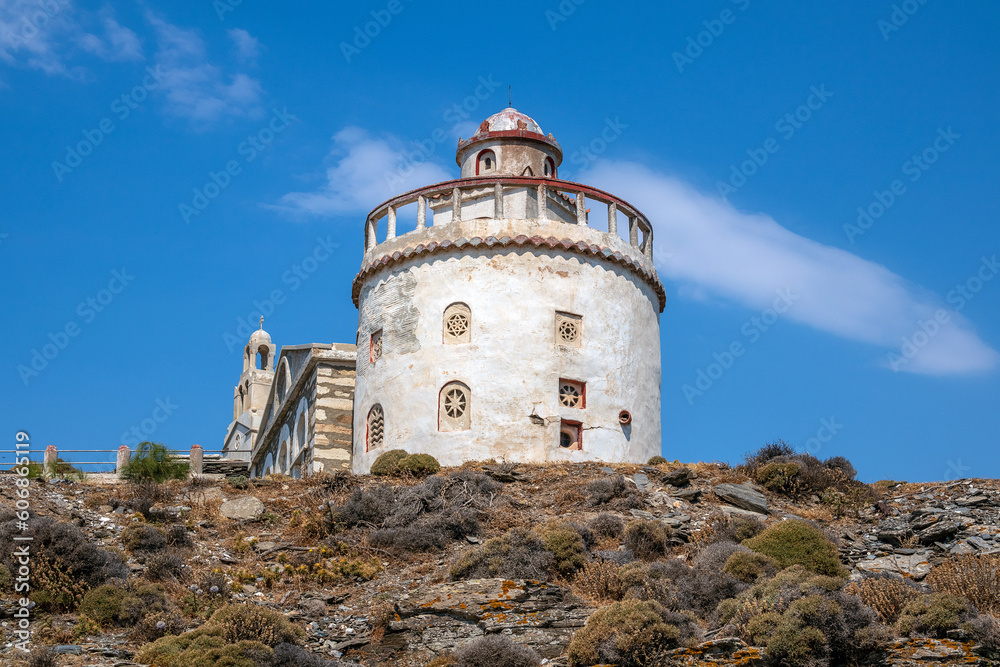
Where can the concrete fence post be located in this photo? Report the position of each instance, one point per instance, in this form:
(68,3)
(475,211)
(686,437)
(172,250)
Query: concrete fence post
(124,457)
(49,462)
(196,460)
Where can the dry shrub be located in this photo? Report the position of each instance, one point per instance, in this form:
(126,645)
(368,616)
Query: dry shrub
(495,651)
(570,497)
(887,595)
(607,526)
(600,581)
(519,554)
(41,656)
(379,618)
(647,539)
(735,528)
(143,537)
(976,577)
(166,567)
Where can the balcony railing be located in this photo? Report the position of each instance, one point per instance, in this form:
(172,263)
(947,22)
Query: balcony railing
(565,197)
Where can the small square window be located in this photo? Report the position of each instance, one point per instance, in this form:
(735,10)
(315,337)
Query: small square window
(572,394)
(569,329)
(376,346)
(570,435)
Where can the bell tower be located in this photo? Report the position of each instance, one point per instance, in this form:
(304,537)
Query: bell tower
(250,394)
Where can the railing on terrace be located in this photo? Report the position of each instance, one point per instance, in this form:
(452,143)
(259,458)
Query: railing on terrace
(503,186)
(51,455)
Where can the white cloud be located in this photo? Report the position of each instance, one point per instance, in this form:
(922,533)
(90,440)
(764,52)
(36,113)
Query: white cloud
(365,172)
(247,46)
(48,35)
(708,246)
(194,88)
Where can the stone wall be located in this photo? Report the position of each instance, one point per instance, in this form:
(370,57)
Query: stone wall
(332,413)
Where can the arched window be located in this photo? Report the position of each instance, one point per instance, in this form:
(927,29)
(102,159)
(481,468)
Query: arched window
(376,428)
(457,324)
(550,168)
(262,357)
(283,458)
(454,407)
(300,433)
(570,434)
(486,163)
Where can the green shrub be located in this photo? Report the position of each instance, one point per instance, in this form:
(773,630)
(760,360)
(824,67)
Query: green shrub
(656,461)
(794,644)
(778,477)
(566,545)
(796,542)
(933,615)
(245,622)
(419,465)
(143,537)
(204,647)
(647,539)
(387,464)
(629,633)
(750,567)
(518,554)
(112,605)
(152,461)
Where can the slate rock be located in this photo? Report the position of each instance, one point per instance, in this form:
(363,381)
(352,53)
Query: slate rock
(939,532)
(679,477)
(247,508)
(744,496)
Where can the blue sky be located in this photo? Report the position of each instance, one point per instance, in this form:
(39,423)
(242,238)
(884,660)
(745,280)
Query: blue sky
(169,170)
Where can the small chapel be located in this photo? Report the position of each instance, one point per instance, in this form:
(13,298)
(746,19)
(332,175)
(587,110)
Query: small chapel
(505,314)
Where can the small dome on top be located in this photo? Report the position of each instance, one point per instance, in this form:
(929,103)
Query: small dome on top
(509,119)
(260,336)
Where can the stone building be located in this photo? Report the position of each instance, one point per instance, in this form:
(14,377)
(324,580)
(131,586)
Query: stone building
(300,422)
(508,322)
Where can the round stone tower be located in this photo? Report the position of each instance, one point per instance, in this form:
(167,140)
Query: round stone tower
(506,324)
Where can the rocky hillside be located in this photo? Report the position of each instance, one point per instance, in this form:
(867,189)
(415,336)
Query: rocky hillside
(782,561)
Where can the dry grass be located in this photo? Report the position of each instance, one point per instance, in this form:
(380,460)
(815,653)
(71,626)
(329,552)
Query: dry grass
(887,596)
(599,581)
(974,577)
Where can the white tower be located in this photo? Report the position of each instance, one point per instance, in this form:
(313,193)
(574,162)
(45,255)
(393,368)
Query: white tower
(504,325)
(250,395)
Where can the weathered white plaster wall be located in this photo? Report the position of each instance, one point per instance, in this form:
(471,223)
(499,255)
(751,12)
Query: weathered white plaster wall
(512,364)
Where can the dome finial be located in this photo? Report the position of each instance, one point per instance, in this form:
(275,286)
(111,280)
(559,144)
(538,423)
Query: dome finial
(509,104)
(261,322)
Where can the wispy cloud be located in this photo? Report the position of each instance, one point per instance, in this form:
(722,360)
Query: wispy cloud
(247,46)
(195,88)
(49,36)
(710,248)
(707,247)
(364,172)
